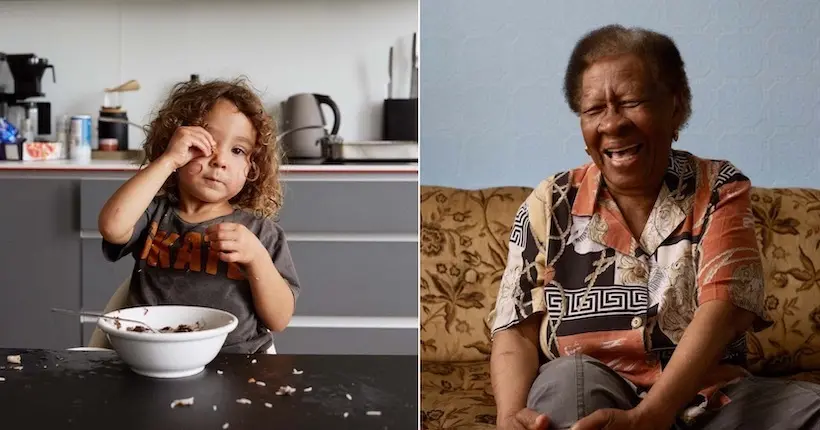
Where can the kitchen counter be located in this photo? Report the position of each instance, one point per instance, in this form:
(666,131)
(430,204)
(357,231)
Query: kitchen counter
(123,169)
(124,166)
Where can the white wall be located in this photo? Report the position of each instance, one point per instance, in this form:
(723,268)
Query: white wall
(335,47)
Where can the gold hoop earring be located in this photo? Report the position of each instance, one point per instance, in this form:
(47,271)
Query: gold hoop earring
(675,136)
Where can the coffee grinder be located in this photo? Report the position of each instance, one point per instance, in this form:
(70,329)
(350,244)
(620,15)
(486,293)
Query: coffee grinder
(23,105)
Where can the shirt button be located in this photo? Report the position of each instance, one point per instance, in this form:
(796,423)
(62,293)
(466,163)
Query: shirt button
(637,322)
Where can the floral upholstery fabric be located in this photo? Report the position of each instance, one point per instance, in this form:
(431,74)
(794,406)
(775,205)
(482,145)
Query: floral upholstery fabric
(787,222)
(457,394)
(464,235)
(463,244)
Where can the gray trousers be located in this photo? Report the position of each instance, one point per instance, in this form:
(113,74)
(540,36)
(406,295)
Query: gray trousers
(569,388)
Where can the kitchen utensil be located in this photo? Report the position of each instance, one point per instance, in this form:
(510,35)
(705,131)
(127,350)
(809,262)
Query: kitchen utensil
(98,315)
(304,124)
(26,72)
(390,74)
(370,151)
(400,119)
(113,135)
(121,121)
(414,69)
(169,355)
(132,85)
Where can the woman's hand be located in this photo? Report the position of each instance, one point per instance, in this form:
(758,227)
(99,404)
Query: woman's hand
(235,243)
(617,419)
(525,419)
(188,143)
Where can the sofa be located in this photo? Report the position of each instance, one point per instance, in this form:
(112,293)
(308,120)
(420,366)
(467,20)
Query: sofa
(463,248)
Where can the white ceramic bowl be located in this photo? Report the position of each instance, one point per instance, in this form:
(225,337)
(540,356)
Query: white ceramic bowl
(168,355)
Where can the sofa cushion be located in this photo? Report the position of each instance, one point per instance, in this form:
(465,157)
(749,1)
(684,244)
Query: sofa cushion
(464,237)
(787,222)
(463,245)
(456,395)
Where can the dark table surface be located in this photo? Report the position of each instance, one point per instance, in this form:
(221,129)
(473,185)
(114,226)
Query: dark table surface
(95,390)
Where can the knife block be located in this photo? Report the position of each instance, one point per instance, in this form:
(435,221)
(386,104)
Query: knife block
(400,120)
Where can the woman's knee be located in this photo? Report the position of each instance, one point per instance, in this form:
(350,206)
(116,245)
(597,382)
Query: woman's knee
(569,388)
(560,373)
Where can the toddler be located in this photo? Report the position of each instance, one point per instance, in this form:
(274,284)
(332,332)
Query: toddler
(198,218)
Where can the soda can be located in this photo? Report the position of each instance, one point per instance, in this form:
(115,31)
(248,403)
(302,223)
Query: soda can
(80,138)
(80,130)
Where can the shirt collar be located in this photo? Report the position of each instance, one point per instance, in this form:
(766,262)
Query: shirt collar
(678,184)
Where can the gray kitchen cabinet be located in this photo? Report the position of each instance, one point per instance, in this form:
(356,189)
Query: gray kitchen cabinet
(39,263)
(350,207)
(357,278)
(100,277)
(347,341)
(352,238)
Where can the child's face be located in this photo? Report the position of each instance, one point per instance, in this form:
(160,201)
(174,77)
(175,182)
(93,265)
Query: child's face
(221,176)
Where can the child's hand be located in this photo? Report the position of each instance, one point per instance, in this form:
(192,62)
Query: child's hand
(188,143)
(235,243)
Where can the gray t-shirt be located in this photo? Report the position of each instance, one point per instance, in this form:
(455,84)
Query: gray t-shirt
(174,265)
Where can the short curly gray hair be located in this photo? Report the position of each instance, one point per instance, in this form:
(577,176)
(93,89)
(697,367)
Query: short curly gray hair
(658,51)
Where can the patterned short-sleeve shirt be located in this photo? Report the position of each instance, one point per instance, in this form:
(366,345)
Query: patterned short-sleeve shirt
(627,301)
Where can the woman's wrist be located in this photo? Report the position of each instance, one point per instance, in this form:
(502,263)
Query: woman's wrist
(652,415)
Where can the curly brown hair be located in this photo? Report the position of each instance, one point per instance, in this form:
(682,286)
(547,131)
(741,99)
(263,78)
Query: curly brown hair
(657,50)
(188,104)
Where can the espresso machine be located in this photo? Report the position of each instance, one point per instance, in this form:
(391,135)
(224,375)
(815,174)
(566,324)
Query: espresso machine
(21,98)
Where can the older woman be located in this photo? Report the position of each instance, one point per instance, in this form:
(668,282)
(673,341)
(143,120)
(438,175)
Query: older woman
(631,280)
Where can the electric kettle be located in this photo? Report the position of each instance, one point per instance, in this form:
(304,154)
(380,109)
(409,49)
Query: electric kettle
(304,125)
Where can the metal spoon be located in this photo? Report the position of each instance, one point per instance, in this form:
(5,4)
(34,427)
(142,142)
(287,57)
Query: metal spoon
(94,314)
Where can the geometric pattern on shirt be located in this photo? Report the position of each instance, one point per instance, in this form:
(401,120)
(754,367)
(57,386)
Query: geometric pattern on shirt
(728,173)
(680,167)
(600,301)
(520,226)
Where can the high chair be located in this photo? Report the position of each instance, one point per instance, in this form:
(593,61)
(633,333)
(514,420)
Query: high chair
(118,301)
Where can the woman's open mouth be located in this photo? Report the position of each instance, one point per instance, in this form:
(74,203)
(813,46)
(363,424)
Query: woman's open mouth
(623,156)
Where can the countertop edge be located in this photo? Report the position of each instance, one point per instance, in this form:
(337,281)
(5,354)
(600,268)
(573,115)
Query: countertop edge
(108,167)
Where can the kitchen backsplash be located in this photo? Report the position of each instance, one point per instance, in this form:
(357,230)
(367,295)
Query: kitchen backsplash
(339,48)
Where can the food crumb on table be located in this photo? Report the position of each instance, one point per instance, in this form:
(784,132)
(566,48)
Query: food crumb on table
(14,359)
(182,402)
(374,413)
(219,372)
(308,389)
(349,397)
(243,401)
(2,379)
(298,372)
(285,390)
(214,407)
(268,405)
(251,381)
(260,383)
(226,425)
(16,367)
(253,361)
(346,414)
